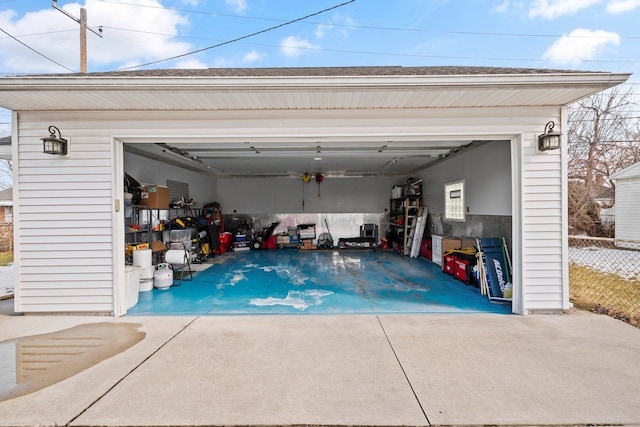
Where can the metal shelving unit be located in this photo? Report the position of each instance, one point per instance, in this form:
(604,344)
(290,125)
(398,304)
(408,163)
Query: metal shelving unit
(403,215)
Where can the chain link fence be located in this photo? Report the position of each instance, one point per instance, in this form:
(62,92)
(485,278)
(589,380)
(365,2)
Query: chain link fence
(604,276)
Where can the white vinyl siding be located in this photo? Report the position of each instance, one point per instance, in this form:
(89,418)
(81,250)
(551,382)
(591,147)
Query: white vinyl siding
(627,209)
(543,226)
(64,221)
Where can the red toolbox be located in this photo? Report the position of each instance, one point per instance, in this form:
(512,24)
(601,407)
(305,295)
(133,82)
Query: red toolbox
(461,269)
(425,249)
(448,264)
(460,266)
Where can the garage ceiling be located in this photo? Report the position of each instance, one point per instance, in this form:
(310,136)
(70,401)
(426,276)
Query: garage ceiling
(332,159)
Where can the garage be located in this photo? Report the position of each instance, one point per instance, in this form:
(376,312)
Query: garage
(248,140)
(336,190)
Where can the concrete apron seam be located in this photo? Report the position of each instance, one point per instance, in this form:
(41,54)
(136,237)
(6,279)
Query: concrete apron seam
(403,371)
(131,371)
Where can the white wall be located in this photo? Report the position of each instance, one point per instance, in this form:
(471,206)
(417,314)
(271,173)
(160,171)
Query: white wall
(286,195)
(148,171)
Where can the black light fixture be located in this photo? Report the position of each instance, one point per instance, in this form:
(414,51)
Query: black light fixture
(550,139)
(54,144)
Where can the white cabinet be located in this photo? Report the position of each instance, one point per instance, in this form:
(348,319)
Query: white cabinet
(442,244)
(436,249)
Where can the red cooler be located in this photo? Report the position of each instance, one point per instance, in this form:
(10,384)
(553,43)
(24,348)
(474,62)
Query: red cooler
(226,240)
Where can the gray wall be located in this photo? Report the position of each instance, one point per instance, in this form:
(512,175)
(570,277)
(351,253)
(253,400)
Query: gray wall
(286,195)
(486,171)
(146,171)
(487,174)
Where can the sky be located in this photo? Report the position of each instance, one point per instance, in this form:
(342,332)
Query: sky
(589,35)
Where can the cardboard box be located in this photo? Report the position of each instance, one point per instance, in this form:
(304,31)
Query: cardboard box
(282,240)
(466,242)
(307,245)
(158,246)
(450,244)
(155,197)
(134,247)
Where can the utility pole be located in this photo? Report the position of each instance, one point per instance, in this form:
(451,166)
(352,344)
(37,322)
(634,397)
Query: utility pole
(83,32)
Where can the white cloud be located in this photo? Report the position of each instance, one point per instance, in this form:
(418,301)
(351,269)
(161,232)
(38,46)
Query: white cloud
(191,2)
(292,46)
(552,9)
(580,45)
(502,8)
(115,50)
(237,5)
(253,56)
(322,29)
(620,6)
(190,64)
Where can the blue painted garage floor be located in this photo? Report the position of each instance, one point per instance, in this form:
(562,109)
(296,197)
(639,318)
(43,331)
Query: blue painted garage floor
(317,282)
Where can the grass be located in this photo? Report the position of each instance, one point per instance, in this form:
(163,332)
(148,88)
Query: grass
(6,258)
(605,293)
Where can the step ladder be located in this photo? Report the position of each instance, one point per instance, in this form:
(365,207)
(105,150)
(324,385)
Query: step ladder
(415,232)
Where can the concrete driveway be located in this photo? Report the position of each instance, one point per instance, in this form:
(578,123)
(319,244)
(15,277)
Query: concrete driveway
(575,368)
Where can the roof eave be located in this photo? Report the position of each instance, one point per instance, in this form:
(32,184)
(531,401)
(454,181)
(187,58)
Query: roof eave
(89,82)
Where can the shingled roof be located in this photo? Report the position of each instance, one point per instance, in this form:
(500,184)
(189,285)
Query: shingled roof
(6,196)
(326,71)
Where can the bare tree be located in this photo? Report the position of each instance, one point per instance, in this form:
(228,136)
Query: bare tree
(6,174)
(603,138)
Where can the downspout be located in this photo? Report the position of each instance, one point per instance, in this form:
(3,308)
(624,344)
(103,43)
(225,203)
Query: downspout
(564,160)
(15,138)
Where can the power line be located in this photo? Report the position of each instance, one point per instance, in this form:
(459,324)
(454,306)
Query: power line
(365,27)
(32,49)
(242,37)
(319,49)
(46,33)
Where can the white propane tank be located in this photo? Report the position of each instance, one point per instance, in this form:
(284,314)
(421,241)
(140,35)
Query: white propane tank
(163,277)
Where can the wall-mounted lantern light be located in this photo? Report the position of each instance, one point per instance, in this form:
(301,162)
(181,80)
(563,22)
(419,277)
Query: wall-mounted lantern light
(54,144)
(550,139)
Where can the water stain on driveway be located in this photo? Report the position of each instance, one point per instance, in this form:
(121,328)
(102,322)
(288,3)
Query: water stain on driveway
(31,363)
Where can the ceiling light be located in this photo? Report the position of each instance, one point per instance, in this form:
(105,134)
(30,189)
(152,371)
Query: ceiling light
(390,162)
(317,158)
